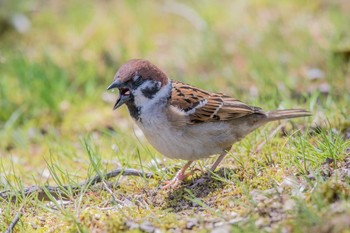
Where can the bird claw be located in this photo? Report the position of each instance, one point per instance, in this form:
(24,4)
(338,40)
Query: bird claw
(175,182)
(171,184)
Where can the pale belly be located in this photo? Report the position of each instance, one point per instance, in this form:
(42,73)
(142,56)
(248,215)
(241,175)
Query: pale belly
(190,142)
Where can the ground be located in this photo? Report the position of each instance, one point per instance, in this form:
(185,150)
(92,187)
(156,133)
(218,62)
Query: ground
(57,126)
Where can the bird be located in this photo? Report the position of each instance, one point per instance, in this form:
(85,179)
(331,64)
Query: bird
(185,122)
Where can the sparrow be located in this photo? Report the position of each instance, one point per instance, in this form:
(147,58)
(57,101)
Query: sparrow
(184,122)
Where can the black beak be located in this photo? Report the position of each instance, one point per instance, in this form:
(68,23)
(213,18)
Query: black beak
(115,84)
(124,93)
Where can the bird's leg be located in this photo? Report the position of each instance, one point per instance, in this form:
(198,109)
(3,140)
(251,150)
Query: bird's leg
(180,175)
(219,159)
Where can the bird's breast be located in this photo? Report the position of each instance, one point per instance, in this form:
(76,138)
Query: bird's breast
(188,142)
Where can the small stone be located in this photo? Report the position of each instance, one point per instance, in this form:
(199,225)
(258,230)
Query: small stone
(311,176)
(131,225)
(257,196)
(285,230)
(339,207)
(324,88)
(289,205)
(147,227)
(127,202)
(191,224)
(260,222)
(61,203)
(222,229)
(315,73)
(34,226)
(276,205)
(235,220)
(21,23)
(290,181)
(234,214)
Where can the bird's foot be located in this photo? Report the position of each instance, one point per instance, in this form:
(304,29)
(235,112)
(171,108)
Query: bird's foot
(178,178)
(174,182)
(171,184)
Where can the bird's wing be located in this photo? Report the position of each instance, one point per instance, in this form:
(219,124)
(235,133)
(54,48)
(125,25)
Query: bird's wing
(191,105)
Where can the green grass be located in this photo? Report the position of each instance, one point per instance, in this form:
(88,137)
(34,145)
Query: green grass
(57,126)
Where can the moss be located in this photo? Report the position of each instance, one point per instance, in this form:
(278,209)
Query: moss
(333,191)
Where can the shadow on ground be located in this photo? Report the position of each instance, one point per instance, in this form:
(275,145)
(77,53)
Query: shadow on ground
(191,193)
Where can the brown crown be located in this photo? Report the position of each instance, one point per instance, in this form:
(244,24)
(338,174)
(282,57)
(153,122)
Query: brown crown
(143,68)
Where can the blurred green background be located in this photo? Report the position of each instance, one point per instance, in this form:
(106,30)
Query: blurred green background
(58,57)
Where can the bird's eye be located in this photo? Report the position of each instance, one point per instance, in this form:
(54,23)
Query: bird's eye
(138,80)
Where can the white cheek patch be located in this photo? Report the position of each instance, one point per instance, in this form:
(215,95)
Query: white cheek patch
(158,99)
(146,92)
(140,99)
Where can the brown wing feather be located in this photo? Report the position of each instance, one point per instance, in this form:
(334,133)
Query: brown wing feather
(201,106)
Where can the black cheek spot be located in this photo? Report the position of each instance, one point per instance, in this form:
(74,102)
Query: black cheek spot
(149,92)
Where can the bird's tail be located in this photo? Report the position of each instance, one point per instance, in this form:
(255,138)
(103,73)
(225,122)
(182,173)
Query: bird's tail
(286,114)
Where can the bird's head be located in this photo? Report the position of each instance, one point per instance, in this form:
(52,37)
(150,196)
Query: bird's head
(138,81)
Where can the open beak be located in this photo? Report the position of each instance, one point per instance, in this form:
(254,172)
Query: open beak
(124,93)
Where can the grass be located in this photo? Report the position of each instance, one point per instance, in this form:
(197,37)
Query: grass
(57,126)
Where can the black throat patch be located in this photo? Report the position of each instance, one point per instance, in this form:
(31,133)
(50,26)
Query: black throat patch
(133,110)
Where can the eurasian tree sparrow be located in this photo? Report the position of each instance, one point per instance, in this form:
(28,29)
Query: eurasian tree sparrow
(185,122)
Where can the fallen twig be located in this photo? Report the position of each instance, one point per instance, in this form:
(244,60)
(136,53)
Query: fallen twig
(60,191)
(115,199)
(13,223)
